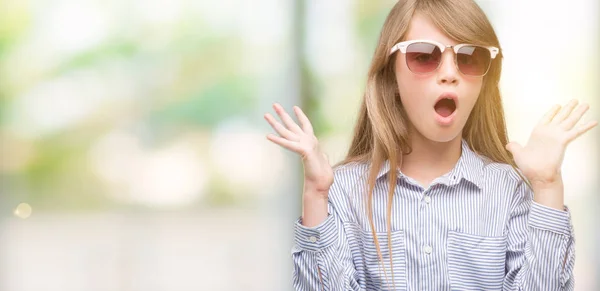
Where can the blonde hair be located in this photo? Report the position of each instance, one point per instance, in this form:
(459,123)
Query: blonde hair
(381,131)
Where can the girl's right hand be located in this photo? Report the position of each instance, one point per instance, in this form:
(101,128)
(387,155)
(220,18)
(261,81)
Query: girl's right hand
(318,174)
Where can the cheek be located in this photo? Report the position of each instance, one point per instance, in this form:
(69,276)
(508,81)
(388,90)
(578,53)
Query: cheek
(412,87)
(472,90)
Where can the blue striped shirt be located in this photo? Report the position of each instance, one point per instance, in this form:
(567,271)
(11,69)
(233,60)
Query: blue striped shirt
(475,228)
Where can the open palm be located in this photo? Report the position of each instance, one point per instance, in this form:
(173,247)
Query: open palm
(318,173)
(541,158)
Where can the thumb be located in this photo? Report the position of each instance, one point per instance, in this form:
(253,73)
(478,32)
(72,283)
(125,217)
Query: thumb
(514,148)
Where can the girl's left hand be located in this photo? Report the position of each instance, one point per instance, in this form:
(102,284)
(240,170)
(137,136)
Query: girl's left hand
(541,159)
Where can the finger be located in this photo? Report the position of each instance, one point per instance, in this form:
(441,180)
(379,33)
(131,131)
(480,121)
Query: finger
(287,120)
(304,122)
(577,132)
(550,114)
(565,112)
(575,116)
(280,129)
(290,145)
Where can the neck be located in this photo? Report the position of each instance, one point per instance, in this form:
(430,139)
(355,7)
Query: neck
(429,159)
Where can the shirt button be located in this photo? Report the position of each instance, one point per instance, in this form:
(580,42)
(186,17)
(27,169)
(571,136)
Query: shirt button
(312,239)
(427,199)
(427,250)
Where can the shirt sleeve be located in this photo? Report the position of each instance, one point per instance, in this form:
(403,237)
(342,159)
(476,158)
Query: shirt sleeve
(321,254)
(541,245)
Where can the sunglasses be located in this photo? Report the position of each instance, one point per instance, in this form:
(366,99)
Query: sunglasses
(425,56)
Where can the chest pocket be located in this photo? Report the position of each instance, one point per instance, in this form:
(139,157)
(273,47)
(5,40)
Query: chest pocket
(378,274)
(476,262)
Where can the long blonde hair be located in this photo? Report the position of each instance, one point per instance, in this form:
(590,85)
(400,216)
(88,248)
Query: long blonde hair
(381,131)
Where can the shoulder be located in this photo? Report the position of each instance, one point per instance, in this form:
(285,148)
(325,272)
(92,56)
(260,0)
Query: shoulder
(504,176)
(346,176)
(506,171)
(349,183)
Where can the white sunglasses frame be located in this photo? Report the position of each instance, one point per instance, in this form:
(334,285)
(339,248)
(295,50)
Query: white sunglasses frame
(401,46)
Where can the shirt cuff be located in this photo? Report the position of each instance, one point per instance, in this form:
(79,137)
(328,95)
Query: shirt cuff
(316,238)
(547,218)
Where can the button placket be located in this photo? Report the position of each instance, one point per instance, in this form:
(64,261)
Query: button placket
(424,240)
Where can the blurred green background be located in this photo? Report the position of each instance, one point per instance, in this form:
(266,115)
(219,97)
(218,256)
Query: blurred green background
(133,152)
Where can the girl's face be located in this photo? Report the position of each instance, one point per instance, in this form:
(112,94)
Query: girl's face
(439,121)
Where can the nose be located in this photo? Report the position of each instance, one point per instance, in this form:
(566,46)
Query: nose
(448,73)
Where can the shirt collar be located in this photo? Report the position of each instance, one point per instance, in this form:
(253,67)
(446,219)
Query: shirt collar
(469,168)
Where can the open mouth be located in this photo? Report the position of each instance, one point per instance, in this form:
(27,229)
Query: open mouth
(445,107)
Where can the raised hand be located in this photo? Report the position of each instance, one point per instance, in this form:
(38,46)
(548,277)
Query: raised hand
(541,159)
(318,174)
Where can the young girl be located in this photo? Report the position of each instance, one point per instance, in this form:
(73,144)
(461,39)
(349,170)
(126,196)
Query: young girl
(429,196)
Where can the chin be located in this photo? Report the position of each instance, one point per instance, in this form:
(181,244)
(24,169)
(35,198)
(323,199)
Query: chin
(441,134)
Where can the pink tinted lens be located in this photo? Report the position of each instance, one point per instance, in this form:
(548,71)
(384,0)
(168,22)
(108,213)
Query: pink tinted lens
(423,57)
(473,60)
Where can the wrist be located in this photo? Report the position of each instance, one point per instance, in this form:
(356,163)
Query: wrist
(554,182)
(316,188)
(549,193)
(315,197)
